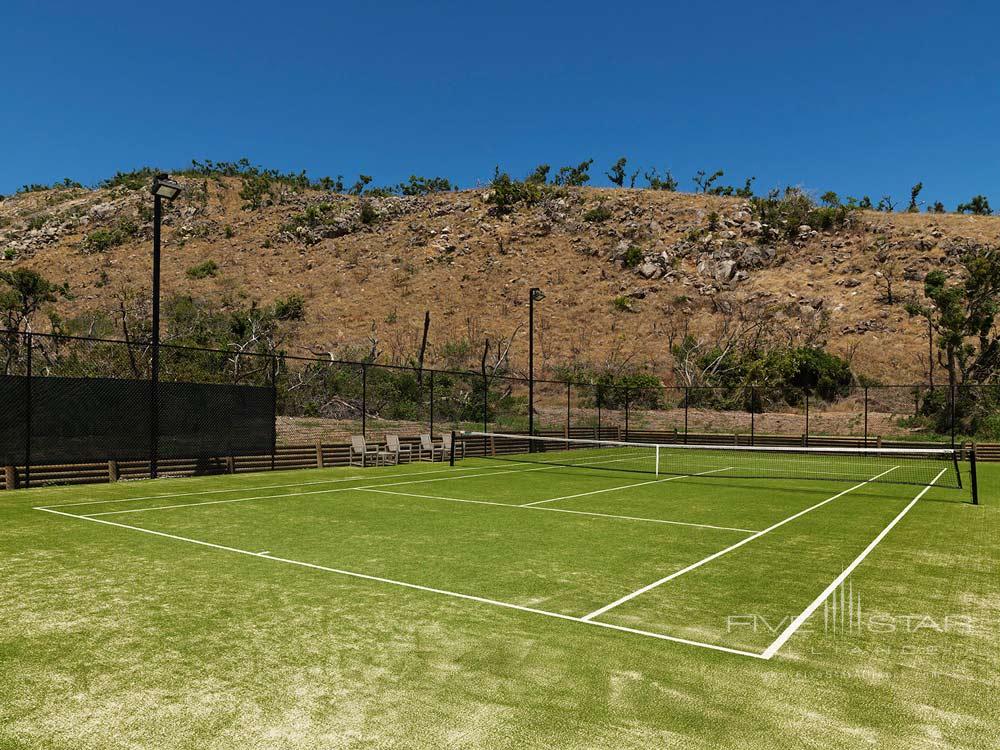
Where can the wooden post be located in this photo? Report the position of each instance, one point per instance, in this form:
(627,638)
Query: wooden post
(319,454)
(112,471)
(230,465)
(10,477)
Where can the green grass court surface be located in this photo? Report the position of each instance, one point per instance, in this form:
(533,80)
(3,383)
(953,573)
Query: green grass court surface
(500,604)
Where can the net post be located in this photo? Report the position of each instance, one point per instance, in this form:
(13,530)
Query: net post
(972,475)
(432,404)
(451,458)
(657,450)
(753,413)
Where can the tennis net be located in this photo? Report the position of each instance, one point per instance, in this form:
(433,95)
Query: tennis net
(916,466)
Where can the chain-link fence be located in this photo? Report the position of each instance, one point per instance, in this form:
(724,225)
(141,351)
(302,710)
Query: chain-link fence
(67,400)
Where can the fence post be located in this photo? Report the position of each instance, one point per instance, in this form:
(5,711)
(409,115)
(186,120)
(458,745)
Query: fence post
(274,409)
(953,417)
(364,401)
(112,471)
(626,413)
(432,403)
(319,454)
(687,400)
(10,477)
(807,419)
(27,410)
(569,409)
(866,416)
(598,394)
(486,407)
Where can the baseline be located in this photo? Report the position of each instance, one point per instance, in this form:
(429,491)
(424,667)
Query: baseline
(415,586)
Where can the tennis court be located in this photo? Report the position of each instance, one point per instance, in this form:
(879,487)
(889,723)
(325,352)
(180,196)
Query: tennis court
(728,550)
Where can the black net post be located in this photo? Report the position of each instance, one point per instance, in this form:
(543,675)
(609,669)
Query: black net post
(364,401)
(27,411)
(972,475)
(432,403)
(274,409)
(753,412)
(451,453)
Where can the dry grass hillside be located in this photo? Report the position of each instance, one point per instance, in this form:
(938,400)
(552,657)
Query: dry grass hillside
(619,282)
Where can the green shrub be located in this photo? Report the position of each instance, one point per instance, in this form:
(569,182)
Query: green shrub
(597,215)
(292,307)
(978,206)
(134,180)
(369,215)
(37,222)
(9,254)
(621,303)
(574,176)
(506,193)
(424,185)
(203,270)
(787,212)
(105,238)
(633,256)
(228,231)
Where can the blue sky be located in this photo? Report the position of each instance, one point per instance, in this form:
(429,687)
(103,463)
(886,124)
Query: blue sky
(860,98)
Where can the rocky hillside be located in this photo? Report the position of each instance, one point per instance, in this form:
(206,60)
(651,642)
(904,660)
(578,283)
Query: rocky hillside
(624,271)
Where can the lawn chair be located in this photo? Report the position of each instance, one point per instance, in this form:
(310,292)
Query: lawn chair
(396,450)
(446,446)
(428,448)
(359,448)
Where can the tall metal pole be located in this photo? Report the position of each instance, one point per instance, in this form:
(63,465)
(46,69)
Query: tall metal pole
(534,294)
(27,420)
(154,389)
(531,364)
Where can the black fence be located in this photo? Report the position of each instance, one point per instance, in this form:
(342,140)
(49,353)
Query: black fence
(67,400)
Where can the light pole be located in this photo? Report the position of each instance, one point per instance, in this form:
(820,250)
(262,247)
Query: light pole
(163,189)
(535,295)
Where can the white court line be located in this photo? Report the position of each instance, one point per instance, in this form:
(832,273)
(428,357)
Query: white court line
(343,489)
(563,510)
(624,487)
(797,622)
(720,553)
(168,496)
(418,587)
